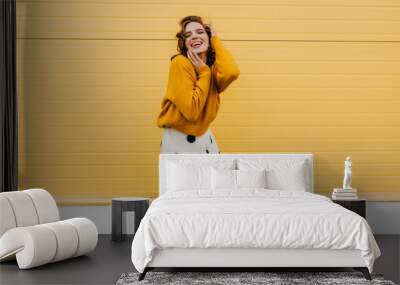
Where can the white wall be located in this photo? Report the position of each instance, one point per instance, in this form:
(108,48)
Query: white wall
(100,215)
(383,217)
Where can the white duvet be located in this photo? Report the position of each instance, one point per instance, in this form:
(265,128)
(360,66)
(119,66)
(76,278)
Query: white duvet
(250,218)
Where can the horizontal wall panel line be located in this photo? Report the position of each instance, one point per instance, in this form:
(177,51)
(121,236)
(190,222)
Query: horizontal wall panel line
(207,4)
(227,40)
(259,19)
(157,140)
(45,153)
(297,100)
(212,3)
(43,178)
(150,60)
(94,164)
(260,124)
(327,100)
(296,88)
(220,125)
(340,165)
(358,175)
(156,164)
(230,100)
(224,112)
(148,177)
(163,88)
(319,74)
(272,139)
(141,152)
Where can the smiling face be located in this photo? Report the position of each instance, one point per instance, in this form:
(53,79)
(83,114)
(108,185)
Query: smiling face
(196,37)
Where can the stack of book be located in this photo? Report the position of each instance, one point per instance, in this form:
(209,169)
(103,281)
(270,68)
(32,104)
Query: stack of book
(344,194)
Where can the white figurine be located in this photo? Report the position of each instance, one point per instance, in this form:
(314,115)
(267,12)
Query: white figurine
(347,174)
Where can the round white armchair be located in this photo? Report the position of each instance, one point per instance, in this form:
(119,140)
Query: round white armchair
(31,230)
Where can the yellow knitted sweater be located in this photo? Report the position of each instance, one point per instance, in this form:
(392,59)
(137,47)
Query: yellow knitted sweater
(192,99)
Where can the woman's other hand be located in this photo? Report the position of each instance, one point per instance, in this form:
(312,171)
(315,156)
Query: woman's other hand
(195,59)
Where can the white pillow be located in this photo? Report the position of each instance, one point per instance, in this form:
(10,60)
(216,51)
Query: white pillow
(251,178)
(282,174)
(188,174)
(229,179)
(223,179)
(191,177)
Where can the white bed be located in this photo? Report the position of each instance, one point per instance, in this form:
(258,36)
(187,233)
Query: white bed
(249,227)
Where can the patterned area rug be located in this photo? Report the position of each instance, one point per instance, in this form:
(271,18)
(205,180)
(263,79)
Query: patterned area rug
(269,278)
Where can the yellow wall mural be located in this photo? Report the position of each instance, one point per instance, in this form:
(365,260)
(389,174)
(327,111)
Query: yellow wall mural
(315,77)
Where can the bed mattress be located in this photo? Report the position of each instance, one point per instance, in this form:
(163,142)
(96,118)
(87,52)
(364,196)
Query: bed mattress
(250,219)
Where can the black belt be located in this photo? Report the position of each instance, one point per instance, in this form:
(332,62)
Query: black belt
(191,138)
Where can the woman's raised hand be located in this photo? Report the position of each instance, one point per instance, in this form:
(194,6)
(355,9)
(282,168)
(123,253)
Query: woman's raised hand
(195,59)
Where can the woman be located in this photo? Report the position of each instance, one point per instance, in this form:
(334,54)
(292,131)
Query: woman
(197,75)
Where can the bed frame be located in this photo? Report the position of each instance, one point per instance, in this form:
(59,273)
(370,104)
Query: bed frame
(250,258)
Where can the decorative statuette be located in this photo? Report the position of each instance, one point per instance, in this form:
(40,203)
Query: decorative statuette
(347,174)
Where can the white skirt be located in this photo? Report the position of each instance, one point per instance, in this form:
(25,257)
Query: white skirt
(174,141)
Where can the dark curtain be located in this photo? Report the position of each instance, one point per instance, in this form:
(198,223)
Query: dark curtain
(8,99)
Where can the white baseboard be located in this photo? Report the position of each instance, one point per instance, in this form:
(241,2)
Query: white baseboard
(383,217)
